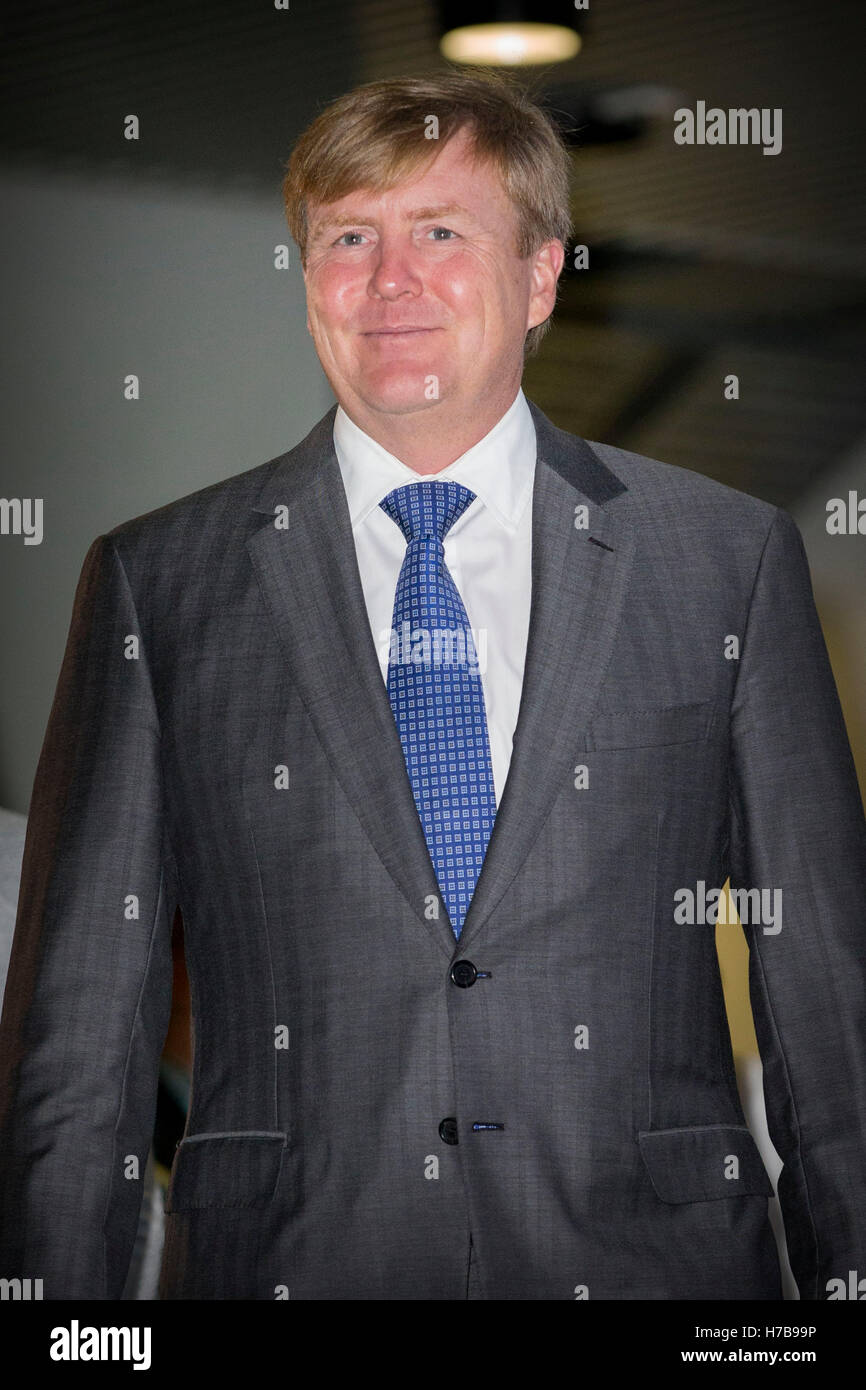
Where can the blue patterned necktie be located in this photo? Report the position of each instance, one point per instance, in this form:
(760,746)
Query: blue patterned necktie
(436,694)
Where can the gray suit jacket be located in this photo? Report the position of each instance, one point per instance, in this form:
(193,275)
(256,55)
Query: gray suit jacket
(221,738)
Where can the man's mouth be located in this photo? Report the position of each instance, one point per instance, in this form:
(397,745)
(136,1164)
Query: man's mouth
(392,332)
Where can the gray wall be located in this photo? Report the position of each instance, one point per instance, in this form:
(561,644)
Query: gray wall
(101,279)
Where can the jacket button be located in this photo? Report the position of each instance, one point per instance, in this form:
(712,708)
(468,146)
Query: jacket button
(463,973)
(448,1130)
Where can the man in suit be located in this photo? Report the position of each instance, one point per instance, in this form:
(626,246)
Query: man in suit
(459,1027)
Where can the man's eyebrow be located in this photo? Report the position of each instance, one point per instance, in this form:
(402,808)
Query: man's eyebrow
(347,219)
(437,210)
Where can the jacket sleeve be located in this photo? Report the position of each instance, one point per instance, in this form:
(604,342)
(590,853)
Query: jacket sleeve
(88,993)
(797,826)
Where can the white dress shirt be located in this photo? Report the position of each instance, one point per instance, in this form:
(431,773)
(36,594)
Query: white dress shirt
(488,552)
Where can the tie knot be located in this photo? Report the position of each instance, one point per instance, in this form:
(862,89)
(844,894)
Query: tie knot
(427,509)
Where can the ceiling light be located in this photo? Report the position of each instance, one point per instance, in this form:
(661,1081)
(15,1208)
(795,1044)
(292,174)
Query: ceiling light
(507,33)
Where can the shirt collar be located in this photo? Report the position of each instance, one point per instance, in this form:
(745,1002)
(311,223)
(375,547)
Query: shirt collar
(499,469)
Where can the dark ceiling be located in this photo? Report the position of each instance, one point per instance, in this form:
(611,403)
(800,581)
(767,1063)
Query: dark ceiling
(704,261)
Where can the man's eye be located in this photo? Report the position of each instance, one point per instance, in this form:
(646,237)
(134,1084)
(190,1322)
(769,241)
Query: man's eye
(342,239)
(447,230)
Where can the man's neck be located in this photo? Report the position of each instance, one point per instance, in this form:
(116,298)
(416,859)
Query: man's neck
(429,440)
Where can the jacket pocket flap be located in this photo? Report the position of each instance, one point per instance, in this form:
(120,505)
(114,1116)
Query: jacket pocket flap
(647,728)
(703,1162)
(225,1170)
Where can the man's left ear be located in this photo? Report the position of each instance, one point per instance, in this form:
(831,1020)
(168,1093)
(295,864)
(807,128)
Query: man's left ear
(547,266)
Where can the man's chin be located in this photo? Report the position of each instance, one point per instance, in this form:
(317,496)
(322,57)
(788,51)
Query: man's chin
(400,395)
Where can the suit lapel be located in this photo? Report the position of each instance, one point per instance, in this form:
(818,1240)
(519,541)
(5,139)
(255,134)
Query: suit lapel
(312,586)
(578,590)
(308,573)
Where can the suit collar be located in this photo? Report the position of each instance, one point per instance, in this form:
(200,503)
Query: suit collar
(300,468)
(308,572)
(498,469)
(575,461)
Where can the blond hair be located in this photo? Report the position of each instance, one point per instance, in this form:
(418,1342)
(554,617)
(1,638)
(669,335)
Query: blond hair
(374,136)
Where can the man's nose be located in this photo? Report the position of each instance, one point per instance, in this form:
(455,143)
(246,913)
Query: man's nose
(394,271)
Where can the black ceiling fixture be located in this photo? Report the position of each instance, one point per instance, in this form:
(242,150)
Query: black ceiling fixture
(602,115)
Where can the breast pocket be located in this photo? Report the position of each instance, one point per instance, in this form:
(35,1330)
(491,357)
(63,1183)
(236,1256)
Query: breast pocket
(237,1169)
(697,722)
(702,1163)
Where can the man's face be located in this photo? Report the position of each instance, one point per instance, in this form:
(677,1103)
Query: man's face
(417,296)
